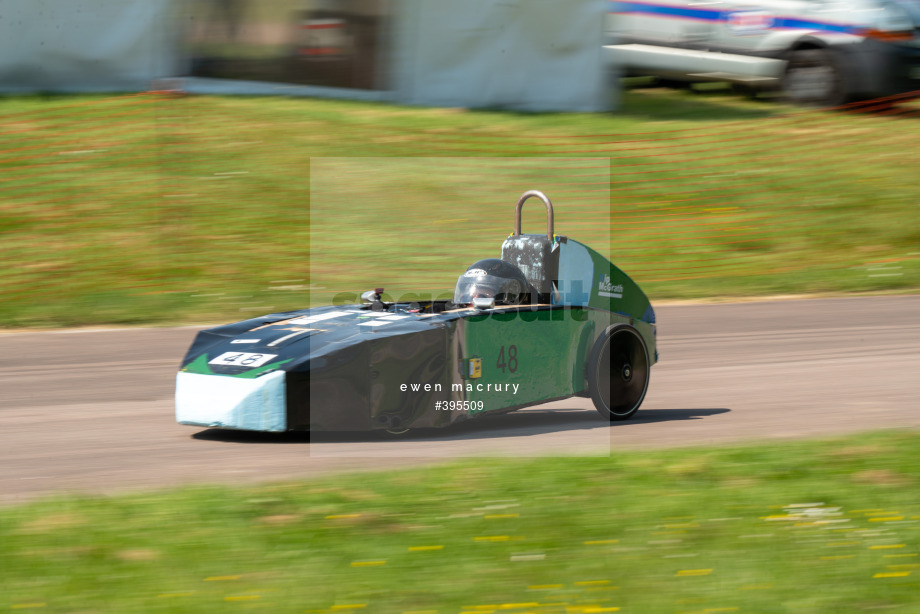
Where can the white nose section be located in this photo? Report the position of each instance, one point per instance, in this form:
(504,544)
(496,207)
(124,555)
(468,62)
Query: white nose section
(220,401)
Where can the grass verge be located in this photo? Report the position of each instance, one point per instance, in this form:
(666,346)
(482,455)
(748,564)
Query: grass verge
(807,526)
(159,209)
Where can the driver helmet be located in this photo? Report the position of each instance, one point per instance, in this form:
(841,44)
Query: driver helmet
(493,278)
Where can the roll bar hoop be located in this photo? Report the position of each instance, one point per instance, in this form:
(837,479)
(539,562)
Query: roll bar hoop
(549,212)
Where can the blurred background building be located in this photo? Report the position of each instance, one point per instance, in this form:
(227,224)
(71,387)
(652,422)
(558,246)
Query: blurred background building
(542,55)
(87,45)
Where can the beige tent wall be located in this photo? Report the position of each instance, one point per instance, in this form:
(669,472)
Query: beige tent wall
(86,45)
(530,55)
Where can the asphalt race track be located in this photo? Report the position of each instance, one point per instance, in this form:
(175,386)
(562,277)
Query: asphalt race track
(91,410)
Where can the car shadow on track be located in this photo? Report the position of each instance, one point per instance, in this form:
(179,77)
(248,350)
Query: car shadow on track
(523,423)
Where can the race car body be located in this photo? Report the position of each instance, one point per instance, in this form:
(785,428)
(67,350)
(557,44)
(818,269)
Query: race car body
(588,330)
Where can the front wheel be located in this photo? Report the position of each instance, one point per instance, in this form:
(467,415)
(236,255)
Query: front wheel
(814,77)
(397,432)
(618,372)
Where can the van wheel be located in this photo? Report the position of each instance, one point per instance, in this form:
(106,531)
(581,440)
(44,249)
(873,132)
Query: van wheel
(814,77)
(747,91)
(674,84)
(618,372)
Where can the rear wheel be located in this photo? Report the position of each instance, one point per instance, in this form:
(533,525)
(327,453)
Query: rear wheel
(618,372)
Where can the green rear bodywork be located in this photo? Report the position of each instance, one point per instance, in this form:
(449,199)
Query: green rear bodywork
(543,352)
(551,345)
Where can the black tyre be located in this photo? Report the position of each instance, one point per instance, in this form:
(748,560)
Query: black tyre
(618,372)
(751,92)
(814,77)
(394,425)
(396,432)
(674,84)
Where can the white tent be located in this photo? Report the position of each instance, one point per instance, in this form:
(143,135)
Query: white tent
(86,45)
(530,55)
(533,55)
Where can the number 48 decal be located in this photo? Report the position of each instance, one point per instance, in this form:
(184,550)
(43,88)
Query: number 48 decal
(242,359)
(512,362)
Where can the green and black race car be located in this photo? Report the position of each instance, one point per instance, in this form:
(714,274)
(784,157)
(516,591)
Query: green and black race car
(550,319)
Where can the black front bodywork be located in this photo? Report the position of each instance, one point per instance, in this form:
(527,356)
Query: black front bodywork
(354,369)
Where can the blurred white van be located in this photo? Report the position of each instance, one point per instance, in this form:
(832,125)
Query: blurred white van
(822,52)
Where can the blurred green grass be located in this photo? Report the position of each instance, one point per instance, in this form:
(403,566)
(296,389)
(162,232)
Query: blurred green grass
(806,526)
(157,208)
